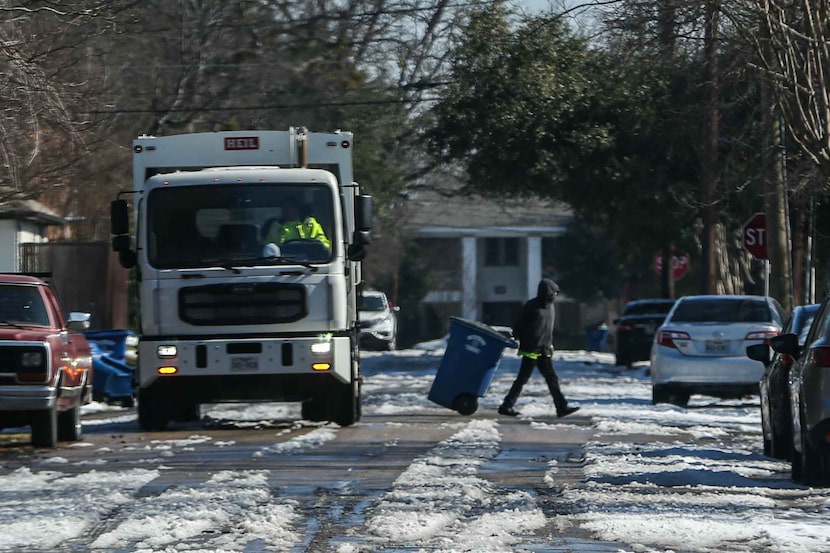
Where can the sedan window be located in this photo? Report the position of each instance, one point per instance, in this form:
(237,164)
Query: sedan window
(722,310)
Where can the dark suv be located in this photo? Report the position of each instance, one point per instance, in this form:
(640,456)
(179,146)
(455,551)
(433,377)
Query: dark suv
(636,327)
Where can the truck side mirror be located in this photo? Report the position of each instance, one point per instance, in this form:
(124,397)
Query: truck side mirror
(119,217)
(126,255)
(357,249)
(363,212)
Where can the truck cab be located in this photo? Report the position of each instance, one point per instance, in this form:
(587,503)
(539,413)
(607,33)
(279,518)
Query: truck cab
(247,247)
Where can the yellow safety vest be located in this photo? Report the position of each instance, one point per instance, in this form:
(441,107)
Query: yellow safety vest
(298,230)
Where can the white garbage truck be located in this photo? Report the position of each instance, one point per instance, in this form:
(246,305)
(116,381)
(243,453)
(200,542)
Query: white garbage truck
(247,249)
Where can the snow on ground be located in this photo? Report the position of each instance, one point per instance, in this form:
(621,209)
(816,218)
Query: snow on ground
(658,478)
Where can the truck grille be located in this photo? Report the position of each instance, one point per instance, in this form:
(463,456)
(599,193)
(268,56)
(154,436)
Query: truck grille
(242,304)
(29,363)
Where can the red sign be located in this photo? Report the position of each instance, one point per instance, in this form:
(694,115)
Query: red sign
(755,236)
(242,143)
(679,264)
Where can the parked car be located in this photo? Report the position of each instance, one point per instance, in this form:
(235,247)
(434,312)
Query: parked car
(701,346)
(809,386)
(776,412)
(378,321)
(636,327)
(45,363)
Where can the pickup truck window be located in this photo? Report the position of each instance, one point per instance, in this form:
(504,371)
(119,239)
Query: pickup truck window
(22,304)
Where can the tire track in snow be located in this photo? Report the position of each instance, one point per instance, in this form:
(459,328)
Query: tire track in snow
(441,503)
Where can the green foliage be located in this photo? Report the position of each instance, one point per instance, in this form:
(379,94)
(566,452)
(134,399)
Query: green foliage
(615,137)
(586,264)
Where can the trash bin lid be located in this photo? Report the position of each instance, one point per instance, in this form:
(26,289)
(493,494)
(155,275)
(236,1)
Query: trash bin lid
(484,329)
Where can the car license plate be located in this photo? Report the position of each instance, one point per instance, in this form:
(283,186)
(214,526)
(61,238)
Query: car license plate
(244,364)
(717,346)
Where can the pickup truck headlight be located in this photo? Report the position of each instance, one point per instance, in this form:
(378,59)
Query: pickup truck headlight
(31,359)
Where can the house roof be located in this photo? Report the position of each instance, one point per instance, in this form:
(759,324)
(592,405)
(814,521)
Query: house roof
(30,210)
(433,213)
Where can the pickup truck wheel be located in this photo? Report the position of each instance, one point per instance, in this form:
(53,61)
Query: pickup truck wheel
(70,428)
(152,412)
(45,428)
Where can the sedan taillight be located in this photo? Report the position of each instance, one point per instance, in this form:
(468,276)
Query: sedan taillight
(667,337)
(764,335)
(820,356)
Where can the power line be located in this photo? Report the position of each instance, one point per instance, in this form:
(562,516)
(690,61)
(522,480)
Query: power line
(351,103)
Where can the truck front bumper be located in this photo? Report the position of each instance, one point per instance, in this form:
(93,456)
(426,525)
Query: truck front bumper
(27,398)
(260,357)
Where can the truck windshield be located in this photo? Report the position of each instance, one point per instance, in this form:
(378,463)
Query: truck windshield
(205,226)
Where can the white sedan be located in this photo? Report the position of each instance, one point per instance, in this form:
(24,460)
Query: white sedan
(701,347)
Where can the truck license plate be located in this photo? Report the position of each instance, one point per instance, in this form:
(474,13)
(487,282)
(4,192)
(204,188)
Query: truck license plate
(717,346)
(244,364)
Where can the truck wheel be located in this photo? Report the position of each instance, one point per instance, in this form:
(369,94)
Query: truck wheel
(70,428)
(347,406)
(45,428)
(314,409)
(152,412)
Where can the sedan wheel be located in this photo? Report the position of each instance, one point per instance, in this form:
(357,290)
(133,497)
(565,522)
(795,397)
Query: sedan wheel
(813,463)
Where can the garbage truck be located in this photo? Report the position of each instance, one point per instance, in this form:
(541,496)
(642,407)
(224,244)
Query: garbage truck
(247,250)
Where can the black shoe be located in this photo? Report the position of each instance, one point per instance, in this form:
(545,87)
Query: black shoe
(566,412)
(509,411)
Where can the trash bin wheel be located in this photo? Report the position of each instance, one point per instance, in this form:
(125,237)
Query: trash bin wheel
(466,404)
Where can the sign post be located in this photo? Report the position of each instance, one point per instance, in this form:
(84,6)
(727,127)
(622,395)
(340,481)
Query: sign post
(755,242)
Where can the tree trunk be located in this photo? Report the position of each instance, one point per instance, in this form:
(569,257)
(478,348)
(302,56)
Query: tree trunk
(711,164)
(775,205)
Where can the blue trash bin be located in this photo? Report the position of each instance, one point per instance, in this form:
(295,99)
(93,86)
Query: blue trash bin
(469,363)
(595,337)
(112,378)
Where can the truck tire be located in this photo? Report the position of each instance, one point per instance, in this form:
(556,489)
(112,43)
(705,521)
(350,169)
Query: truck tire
(70,428)
(314,409)
(45,428)
(152,411)
(346,408)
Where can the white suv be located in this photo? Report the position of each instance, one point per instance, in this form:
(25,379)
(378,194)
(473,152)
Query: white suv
(378,321)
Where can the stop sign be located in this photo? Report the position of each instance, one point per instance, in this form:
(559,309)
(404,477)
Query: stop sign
(755,236)
(679,265)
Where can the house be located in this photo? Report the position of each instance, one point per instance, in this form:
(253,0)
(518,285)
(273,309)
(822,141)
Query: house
(486,258)
(23,222)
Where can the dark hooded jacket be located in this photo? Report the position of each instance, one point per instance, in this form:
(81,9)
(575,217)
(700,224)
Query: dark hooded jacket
(534,326)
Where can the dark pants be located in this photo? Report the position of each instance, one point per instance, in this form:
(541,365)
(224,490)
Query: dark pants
(545,366)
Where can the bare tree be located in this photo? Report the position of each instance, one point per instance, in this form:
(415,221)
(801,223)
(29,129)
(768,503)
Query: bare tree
(794,48)
(42,127)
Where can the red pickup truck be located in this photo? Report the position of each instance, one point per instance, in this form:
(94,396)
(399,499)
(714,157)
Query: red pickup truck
(45,366)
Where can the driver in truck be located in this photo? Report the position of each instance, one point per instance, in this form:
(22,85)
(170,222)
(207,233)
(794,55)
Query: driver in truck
(293,226)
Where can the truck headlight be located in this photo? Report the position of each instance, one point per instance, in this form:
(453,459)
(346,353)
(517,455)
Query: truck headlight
(31,359)
(166,351)
(323,344)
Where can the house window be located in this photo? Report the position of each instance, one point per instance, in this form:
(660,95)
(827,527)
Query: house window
(501,252)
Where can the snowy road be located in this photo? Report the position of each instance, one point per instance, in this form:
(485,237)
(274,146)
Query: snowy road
(620,475)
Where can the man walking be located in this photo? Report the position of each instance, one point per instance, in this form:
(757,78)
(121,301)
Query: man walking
(534,331)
